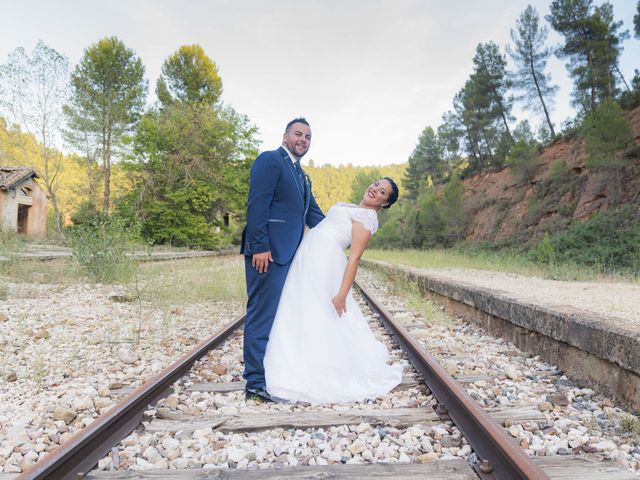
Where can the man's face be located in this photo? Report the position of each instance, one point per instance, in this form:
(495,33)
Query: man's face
(297,139)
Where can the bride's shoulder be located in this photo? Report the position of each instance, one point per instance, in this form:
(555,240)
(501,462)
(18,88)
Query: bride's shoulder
(345,204)
(367,217)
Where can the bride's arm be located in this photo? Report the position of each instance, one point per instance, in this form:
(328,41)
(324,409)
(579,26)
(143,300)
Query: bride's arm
(360,237)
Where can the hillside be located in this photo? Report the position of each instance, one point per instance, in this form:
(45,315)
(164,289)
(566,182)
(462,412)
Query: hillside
(501,207)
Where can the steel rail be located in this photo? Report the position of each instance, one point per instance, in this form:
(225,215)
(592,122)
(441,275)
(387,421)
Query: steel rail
(81,452)
(500,457)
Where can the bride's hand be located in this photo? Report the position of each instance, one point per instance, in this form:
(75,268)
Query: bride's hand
(340,304)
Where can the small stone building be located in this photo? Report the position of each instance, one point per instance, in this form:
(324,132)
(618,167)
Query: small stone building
(23,203)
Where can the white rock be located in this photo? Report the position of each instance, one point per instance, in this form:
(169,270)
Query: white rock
(10,468)
(18,435)
(404,458)
(202,432)
(82,403)
(173,454)
(512,372)
(162,464)
(30,458)
(151,454)
(605,445)
(236,454)
(357,447)
(260,454)
(6,451)
(142,464)
(170,443)
(127,356)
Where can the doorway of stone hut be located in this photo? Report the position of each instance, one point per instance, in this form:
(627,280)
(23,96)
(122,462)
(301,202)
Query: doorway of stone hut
(23,218)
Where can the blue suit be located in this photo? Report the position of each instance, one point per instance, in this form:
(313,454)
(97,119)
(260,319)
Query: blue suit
(280,205)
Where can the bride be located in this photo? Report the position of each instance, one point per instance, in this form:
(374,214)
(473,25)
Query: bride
(321,349)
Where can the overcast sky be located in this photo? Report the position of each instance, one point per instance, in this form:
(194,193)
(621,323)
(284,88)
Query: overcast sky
(369,75)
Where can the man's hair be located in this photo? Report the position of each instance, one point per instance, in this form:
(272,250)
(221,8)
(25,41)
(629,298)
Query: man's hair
(297,120)
(393,196)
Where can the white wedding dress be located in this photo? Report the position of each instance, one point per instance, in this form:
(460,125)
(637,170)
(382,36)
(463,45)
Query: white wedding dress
(313,355)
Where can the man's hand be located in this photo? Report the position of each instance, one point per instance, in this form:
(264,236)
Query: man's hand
(339,302)
(260,261)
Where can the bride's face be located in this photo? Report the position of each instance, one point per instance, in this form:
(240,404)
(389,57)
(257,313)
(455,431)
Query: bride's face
(377,194)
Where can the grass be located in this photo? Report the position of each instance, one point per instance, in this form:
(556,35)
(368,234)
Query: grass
(166,284)
(416,301)
(503,261)
(196,280)
(630,424)
(62,271)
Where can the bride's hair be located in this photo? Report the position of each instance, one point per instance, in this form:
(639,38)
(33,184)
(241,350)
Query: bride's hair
(393,196)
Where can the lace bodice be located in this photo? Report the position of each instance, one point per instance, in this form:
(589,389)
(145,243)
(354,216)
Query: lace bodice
(338,222)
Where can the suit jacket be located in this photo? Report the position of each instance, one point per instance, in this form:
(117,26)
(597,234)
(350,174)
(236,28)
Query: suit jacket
(278,208)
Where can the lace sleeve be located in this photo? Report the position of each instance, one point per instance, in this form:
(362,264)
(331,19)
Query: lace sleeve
(367,217)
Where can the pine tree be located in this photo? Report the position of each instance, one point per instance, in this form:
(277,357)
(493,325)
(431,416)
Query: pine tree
(608,134)
(189,75)
(108,96)
(592,46)
(530,56)
(490,71)
(450,132)
(523,155)
(425,161)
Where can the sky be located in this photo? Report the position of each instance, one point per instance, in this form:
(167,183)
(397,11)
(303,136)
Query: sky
(369,75)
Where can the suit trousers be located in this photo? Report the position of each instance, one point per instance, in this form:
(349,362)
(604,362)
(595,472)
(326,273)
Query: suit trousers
(263,292)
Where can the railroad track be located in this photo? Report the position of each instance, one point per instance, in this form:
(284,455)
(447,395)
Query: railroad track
(441,413)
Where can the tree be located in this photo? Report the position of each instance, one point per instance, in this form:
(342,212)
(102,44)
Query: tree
(108,96)
(485,141)
(189,75)
(473,122)
(608,134)
(636,21)
(430,224)
(193,157)
(490,71)
(452,210)
(523,155)
(425,162)
(450,132)
(34,89)
(631,99)
(361,182)
(530,56)
(592,46)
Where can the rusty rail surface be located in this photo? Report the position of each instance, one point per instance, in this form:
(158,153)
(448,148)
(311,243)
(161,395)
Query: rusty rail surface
(81,452)
(498,455)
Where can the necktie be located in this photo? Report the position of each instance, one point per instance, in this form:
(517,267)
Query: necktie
(298,169)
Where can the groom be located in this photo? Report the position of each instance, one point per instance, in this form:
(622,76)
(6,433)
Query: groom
(280,205)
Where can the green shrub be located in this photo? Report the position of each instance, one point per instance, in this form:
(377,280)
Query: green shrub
(609,241)
(523,154)
(559,171)
(608,134)
(103,248)
(11,244)
(86,214)
(545,252)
